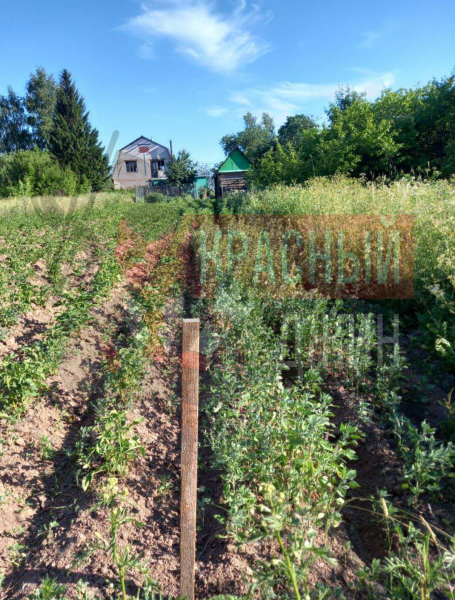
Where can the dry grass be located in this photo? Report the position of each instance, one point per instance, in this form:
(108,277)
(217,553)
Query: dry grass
(432,204)
(64,204)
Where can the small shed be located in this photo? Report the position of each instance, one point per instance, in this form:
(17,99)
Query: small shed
(230,177)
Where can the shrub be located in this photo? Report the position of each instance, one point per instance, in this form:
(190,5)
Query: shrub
(36,173)
(155,197)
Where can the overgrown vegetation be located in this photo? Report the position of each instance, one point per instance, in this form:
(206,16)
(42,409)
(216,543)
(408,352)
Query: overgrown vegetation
(36,173)
(288,475)
(431,204)
(405,131)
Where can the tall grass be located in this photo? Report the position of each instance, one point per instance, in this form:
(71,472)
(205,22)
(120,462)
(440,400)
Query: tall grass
(432,204)
(63,203)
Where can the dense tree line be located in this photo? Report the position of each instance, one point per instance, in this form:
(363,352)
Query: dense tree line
(47,144)
(401,132)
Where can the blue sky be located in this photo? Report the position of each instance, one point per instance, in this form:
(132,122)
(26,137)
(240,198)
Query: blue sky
(187,70)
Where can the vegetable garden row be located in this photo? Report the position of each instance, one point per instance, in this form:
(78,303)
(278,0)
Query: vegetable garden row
(324,471)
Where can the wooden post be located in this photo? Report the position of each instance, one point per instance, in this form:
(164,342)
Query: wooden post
(190,401)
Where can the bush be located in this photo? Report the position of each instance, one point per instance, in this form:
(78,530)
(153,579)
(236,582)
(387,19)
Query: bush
(36,173)
(155,197)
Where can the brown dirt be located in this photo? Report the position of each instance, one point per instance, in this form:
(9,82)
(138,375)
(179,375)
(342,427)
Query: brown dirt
(378,467)
(47,519)
(44,510)
(32,325)
(32,485)
(29,328)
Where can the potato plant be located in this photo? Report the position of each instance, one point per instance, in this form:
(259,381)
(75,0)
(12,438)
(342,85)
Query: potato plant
(288,473)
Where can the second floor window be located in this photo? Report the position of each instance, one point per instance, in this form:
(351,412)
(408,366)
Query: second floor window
(131,166)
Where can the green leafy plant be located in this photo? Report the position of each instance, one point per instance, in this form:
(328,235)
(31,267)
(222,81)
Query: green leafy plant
(49,590)
(46,530)
(46,448)
(284,477)
(109,446)
(17,554)
(448,423)
(416,572)
(116,500)
(427,461)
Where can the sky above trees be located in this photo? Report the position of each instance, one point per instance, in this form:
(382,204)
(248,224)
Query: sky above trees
(187,70)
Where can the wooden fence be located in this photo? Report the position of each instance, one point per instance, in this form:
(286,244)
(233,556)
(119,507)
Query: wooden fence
(171,191)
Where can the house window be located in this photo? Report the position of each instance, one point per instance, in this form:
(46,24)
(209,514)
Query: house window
(156,166)
(131,166)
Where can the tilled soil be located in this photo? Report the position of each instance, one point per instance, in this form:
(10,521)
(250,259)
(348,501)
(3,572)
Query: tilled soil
(48,524)
(30,328)
(32,325)
(37,478)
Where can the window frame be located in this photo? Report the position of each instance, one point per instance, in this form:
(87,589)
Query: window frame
(129,167)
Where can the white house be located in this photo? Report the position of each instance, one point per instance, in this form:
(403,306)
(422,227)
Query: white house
(140,163)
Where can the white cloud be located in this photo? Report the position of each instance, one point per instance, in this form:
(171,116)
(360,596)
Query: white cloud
(371,37)
(222,42)
(287,98)
(240,98)
(373,86)
(281,105)
(302,92)
(216,111)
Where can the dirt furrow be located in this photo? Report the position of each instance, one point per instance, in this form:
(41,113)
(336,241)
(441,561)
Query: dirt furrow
(37,487)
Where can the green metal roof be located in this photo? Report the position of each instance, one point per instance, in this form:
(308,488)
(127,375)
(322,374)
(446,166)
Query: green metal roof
(236,161)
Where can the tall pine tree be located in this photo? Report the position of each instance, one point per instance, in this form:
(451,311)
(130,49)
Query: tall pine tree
(40,104)
(14,131)
(73,141)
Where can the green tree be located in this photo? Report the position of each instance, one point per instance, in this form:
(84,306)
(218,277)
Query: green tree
(422,121)
(400,108)
(293,129)
(73,141)
(345,97)
(432,146)
(358,140)
(355,141)
(254,140)
(181,169)
(14,131)
(280,164)
(403,131)
(40,103)
(35,173)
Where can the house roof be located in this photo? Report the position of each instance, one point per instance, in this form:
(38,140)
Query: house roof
(142,139)
(235,161)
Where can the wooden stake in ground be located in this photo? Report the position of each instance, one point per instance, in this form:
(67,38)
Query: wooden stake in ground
(190,402)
